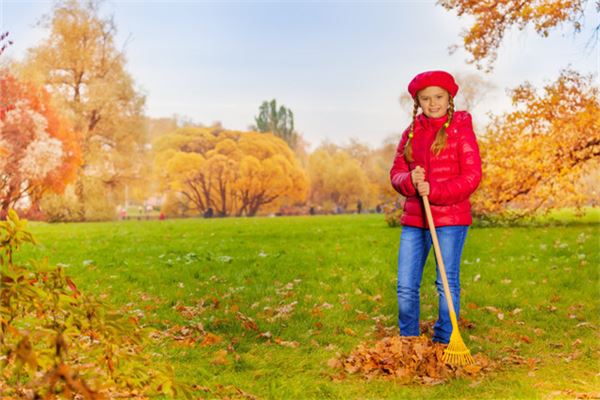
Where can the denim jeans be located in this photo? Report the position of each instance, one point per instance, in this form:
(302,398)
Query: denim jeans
(415,244)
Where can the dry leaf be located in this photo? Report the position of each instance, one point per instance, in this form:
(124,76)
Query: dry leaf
(407,359)
(349,331)
(220,358)
(210,339)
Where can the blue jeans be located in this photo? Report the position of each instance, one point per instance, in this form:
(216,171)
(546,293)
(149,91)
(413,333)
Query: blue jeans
(415,244)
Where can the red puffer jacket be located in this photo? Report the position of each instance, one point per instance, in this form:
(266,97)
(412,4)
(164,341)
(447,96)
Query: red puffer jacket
(453,174)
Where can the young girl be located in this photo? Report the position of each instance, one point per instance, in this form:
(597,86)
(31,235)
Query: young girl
(437,157)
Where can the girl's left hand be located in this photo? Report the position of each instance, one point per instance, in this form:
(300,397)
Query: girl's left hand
(423,188)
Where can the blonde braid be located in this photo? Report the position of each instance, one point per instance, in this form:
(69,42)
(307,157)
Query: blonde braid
(441,137)
(408,146)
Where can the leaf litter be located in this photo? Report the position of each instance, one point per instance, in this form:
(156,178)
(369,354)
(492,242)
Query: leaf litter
(414,359)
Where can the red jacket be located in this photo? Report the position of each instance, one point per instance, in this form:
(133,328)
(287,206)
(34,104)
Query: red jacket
(452,175)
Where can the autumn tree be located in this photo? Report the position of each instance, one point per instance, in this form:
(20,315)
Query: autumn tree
(536,155)
(41,151)
(494,17)
(278,121)
(230,172)
(375,163)
(336,177)
(81,67)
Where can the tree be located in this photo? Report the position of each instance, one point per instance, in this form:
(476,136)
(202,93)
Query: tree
(536,155)
(278,121)
(231,172)
(336,177)
(269,176)
(494,17)
(79,64)
(376,165)
(41,150)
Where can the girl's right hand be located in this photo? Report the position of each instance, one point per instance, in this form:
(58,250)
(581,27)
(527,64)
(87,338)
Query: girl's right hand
(423,189)
(417,175)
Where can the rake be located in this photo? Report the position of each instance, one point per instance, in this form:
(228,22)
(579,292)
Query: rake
(457,352)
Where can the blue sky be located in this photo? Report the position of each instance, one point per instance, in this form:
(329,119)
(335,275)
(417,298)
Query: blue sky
(339,65)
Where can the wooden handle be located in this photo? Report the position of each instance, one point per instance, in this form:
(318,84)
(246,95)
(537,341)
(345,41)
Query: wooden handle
(440,261)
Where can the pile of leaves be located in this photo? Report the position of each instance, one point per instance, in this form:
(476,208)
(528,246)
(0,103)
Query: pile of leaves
(408,359)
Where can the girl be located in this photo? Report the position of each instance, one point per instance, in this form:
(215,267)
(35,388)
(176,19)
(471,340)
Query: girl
(437,157)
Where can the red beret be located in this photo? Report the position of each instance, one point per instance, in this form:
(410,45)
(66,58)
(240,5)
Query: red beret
(433,78)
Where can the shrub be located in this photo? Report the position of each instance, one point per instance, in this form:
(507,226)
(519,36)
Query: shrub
(393,213)
(57,341)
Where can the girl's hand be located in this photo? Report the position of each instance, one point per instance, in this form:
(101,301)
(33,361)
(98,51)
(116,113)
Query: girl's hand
(423,188)
(417,175)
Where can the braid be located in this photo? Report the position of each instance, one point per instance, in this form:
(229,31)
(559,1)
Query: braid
(441,137)
(408,146)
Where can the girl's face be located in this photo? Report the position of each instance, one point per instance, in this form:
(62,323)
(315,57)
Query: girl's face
(434,101)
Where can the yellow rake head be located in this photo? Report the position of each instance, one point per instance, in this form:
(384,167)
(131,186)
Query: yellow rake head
(457,352)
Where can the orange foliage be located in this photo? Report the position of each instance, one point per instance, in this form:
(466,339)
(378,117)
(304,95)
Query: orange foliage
(493,18)
(408,359)
(59,128)
(27,117)
(534,156)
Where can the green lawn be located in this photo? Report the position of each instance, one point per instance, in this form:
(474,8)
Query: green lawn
(318,285)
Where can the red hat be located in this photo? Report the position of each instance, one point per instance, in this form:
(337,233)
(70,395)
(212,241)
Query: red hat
(433,78)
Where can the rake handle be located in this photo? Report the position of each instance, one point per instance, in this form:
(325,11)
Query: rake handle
(440,262)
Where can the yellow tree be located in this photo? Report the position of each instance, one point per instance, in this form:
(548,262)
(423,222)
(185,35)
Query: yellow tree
(375,164)
(230,172)
(384,155)
(535,155)
(180,165)
(336,177)
(222,166)
(269,175)
(79,64)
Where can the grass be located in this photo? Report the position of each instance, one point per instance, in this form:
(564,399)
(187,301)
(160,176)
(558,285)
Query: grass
(318,284)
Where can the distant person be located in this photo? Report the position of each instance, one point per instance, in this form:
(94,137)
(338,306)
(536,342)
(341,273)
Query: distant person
(162,216)
(208,213)
(437,157)
(358,206)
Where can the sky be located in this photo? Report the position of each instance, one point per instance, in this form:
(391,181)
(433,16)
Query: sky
(340,66)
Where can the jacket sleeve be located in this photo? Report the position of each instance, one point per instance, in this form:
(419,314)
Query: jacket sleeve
(400,172)
(461,187)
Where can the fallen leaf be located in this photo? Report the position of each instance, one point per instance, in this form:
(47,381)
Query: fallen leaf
(334,363)
(349,331)
(220,358)
(281,342)
(210,339)
(525,339)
